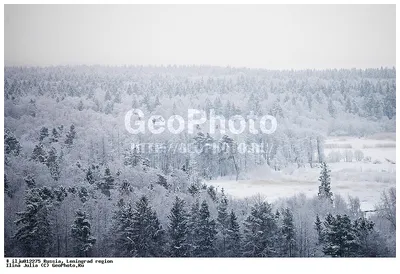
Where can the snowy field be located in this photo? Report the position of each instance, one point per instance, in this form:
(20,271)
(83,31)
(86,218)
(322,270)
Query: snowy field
(365,179)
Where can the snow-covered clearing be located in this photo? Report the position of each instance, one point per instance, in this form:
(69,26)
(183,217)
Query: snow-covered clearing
(365,180)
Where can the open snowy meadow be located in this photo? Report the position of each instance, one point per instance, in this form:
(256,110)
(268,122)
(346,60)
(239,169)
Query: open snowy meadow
(364,175)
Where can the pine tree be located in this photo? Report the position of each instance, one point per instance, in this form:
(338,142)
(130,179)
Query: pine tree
(288,233)
(260,231)
(83,240)
(147,233)
(206,233)
(178,229)
(34,232)
(233,238)
(324,191)
(223,220)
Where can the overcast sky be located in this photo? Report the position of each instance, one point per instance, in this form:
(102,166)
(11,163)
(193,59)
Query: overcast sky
(273,37)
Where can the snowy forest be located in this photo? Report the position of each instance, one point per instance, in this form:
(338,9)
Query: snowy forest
(75,186)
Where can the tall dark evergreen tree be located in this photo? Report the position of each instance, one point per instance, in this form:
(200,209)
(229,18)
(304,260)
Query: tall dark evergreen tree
(52,163)
(80,105)
(178,229)
(288,233)
(324,190)
(340,238)
(34,228)
(260,231)
(233,238)
(368,238)
(193,228)
(39,154)
(123,228)
(71,134)
(147,233)
(223,221)
(44,133)
(107,183)
(81,235)
(54,136)
(206,233)
(318,228)
(11,143)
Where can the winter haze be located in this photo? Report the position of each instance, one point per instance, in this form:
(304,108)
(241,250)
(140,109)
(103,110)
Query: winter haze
(271,37)
(200,131)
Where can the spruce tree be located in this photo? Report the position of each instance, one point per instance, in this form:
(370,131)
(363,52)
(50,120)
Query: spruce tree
(107,183)
(39,154)
(366,238)
(193,189)
(107,96)
(52,164)
(288,233)
(34,228)
(324,190)
(233,239)
(123,227)
(30,181)
(318,228)
(207,233)
(54,136)
(223,220)
(80,105)
(260,231)
(147,233)
(178,229)
(70,137)
(339,237)
(81,234)
(44,132)
(193,228)
(11,143)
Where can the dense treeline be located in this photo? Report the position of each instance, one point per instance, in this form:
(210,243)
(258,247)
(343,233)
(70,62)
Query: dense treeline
(106,215)
(308,105)
(74,186)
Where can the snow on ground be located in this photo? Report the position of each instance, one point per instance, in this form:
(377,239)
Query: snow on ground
(365,180)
